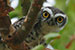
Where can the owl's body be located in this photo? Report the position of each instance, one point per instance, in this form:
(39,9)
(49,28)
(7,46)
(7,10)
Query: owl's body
(50,19)
(34,36)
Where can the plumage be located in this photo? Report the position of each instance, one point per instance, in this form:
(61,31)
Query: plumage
(50,19)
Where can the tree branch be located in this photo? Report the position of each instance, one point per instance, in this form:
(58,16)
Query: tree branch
(4,18)
(25,6)
(27,26)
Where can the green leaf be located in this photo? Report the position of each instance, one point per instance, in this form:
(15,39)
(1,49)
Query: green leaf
(17,12)
(51,36)
(39,47)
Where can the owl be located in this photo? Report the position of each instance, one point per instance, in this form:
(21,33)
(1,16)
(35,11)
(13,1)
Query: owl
(50,19)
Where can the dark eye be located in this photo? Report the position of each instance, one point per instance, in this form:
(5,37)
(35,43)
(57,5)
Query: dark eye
(46,14)
(59,19)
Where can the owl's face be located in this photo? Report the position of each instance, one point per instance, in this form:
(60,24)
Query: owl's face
(53,17)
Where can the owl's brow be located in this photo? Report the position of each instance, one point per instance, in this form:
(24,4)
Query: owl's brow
(55,10)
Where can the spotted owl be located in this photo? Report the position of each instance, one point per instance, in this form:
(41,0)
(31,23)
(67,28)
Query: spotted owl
(50,19)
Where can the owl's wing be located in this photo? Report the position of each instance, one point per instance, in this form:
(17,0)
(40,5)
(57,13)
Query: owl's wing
(19,23)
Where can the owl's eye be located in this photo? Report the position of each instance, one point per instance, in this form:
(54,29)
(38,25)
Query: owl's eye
(46,14)
(60,19)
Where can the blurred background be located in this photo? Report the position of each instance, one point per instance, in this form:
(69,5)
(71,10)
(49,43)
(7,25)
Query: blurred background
(68,7)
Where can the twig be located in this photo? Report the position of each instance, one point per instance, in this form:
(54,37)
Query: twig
(72,38)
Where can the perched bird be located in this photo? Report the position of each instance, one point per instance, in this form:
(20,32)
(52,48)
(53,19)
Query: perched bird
(50,19)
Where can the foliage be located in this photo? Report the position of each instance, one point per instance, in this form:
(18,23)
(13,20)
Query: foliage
(17,12)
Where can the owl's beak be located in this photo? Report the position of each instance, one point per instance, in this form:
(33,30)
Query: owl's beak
(51,22)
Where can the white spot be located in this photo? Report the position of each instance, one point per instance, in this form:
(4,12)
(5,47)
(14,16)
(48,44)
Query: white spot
(23,27)
(20,25)
(50,47)
(13,20)
(67,1)
(49,3)
(14,3)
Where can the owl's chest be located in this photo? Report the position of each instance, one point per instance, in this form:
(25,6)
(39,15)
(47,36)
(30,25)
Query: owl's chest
(48,29)
(33,39)
(35,36)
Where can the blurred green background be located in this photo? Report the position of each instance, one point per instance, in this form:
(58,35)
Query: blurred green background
(68,7)
(69,30)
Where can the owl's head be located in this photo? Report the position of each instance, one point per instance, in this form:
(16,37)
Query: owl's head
(53,17)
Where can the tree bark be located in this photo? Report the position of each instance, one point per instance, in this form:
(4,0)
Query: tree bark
(25,4)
